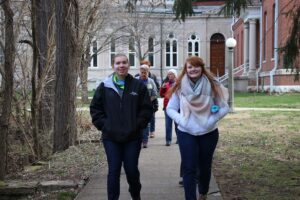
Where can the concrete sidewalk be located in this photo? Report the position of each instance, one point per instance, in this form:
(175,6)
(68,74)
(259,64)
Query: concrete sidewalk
(159,169)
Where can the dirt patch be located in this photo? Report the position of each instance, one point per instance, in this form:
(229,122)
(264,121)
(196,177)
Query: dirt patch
(76,163)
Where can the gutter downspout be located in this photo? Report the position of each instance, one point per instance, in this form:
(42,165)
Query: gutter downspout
(272,72)
(260,49)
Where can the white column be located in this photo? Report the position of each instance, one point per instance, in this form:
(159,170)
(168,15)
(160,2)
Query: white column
(246,48)
(252,48)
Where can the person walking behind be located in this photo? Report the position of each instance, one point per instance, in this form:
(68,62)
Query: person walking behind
(202,101)
(146,80)
(166,86)
(121,109)
(154,78)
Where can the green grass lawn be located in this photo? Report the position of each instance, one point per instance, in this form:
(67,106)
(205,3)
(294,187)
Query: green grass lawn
(257,100)
(258,156)
(264,100)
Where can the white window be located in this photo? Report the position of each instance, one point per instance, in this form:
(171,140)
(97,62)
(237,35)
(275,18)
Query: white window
(131,52)
(95,54)
(112,50)
(151,50)
(193,45)
(171,51)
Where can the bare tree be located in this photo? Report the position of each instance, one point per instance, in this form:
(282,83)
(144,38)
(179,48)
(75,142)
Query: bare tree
(6,106)
(92,20)
(95,27)
(67,61)
(42,88)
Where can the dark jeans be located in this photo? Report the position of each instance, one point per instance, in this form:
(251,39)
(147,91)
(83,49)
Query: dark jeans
(196,155)
(152,123)
(128,154)
(146,133)
(169,127)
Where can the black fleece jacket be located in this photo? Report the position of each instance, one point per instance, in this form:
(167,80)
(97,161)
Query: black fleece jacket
(121,119)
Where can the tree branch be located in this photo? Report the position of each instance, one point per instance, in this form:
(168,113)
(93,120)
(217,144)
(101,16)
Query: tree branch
(27,42)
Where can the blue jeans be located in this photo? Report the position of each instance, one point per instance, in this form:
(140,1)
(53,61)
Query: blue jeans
(169,127)
(146,133)
(196,155)
(152,123)
(128,154)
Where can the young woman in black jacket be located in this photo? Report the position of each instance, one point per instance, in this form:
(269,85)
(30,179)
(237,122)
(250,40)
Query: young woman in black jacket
(121,109)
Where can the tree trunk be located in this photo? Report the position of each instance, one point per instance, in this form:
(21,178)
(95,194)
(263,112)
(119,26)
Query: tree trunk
(34,103)
(67,61)
(85,62)
(44,38)
(9,57)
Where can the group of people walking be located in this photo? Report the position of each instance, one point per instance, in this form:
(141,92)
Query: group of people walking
(123,108)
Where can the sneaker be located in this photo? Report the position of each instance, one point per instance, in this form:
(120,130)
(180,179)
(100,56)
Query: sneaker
(145,144)
(152,135)
(168,143)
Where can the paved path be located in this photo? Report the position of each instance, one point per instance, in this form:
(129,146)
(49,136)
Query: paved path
(159,168)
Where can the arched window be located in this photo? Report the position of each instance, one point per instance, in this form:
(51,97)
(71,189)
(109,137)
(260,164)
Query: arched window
(193,45)
(171,51)
(131,52)
(112,50)
(151,50)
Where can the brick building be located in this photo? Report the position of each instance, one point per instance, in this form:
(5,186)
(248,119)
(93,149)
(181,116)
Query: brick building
(261,29)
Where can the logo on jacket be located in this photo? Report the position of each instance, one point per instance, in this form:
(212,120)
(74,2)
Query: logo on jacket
(133,93)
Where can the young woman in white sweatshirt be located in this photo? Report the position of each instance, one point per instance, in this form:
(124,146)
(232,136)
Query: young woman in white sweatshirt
(202,102)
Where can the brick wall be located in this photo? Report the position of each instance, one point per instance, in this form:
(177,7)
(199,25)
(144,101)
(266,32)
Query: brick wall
(267,32)
(285,24)
(238,29)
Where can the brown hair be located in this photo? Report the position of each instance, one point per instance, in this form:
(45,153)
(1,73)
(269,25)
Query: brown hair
(145,62)
(195,61)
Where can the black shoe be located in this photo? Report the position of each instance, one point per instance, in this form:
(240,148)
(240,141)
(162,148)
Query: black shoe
(168,143)
(181,183)
(136,198)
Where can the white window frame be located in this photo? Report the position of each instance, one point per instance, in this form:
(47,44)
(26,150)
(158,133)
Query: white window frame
(171,39)
(194,41)
(151,52)
(112,50)
(93,50)
(131,51)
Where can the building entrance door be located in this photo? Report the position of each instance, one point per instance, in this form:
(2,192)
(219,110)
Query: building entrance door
(217,54)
